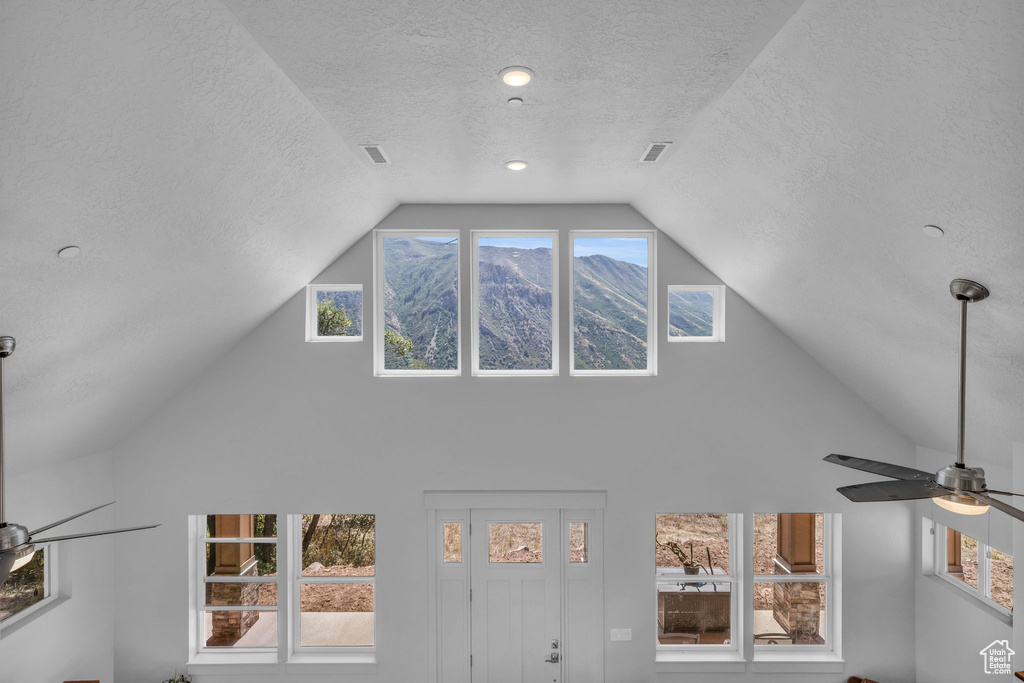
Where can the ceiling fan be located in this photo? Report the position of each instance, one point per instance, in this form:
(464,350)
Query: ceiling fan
(17,543)
(957,488)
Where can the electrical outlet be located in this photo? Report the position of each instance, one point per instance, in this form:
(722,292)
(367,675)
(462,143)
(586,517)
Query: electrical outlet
(622,634)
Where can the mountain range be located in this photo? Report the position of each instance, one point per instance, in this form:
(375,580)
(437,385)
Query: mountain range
(421,301)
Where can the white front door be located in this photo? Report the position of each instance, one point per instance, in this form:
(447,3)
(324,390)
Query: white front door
(516,597)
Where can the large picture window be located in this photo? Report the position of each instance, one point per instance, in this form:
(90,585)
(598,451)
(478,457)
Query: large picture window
(793,600)
(613,303)
(417,303)
(237,606)
(515,303)
(696,583)
(335,587)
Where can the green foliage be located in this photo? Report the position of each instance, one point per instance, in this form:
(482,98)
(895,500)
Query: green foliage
(179,678)
(331,319)
(395,344)
(344,540)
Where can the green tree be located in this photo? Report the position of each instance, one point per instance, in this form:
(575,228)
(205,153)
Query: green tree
(395,344)
(331,319)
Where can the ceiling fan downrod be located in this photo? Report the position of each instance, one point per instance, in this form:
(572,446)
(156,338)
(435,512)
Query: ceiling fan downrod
(964,291)
(7,345)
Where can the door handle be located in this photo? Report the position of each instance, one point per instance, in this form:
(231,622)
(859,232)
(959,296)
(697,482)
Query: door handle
(554,658)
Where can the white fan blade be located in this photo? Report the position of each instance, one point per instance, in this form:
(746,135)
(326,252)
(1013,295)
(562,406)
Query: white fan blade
(998,505)
(92,533)
(68,519)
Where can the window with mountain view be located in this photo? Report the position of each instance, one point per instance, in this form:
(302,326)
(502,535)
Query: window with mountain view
(515,305)
(417,303)
(613,296)
(334,313)
(696,313)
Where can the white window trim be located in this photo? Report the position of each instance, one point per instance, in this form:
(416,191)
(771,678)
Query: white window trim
(259,661)
(311,653)
(709,658)
(51,573)
(983,592)
(830,577)
(652,302)
(378,301)
(197,611)
(717,312)
(311,318)
(475,236)
(767,658)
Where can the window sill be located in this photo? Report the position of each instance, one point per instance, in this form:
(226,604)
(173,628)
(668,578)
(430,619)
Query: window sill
(970,596)
(229,664)
(29,615)
(797,662)
(332,664)
(255,664)
(699,662)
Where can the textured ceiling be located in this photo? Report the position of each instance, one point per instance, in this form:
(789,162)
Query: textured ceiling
(205,156)
(420,77)
(806,186)
(203,188)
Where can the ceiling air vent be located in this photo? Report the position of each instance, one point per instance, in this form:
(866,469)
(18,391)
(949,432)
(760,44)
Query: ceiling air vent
(376,154)
(654,151)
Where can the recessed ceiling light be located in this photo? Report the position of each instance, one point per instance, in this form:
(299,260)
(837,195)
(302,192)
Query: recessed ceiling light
(515,165)
(932,230)
(516,76)
(69,252)
(515,102)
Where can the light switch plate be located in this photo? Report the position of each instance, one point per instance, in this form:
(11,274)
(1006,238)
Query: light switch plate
(622,634)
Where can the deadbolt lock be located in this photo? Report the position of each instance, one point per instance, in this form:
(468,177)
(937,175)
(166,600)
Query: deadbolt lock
(554,643)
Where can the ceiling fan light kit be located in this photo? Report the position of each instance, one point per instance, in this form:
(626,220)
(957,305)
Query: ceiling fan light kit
(957,487)
(17,543)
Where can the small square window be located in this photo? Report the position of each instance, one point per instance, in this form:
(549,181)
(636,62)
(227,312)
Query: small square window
(334,313)
(696,313)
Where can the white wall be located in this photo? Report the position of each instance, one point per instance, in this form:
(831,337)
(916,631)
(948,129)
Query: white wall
(952,626)
(280,425)
(74,639)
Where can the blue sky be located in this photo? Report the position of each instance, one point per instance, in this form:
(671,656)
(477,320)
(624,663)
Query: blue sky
(629,249)
(517,242)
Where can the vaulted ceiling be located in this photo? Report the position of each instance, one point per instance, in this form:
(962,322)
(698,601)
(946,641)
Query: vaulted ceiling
(205,156)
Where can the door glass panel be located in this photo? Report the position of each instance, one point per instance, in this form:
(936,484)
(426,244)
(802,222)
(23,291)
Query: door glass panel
(336,615)
(789,613)
(452,542)
(698,613)
(241,559)
(578,542)
(518,542)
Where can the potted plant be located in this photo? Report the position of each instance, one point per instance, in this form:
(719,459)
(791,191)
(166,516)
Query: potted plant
(690,566)
(179,678)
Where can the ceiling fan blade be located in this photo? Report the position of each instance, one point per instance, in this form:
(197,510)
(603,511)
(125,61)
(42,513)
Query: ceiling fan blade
(998,505)
(892,490)
(876,467)
(1003,493)
(68,519)
(92,533)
